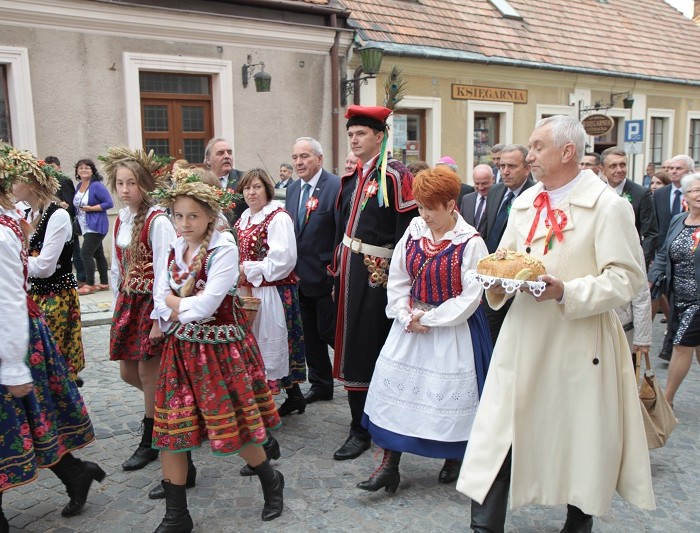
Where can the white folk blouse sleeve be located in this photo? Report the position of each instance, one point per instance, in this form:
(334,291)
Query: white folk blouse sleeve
(161,235)
(458,309)
(398,287)
(221,277)
(14,339)
(115,277)
(282,255)
(58,232)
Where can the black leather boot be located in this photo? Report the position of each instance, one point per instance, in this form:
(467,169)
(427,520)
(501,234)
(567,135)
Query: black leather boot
(144,454)
(450,471)
(77,476)
(295,402)
(157,492)
(272,451)
(272,483)
(490,517)
(4,524)
(177,518)
(387,475)
(577,521)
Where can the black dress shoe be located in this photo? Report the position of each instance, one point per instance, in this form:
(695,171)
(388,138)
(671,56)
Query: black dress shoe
(352,448)
(450,471)
(318,396)
(140,458)
(665,356)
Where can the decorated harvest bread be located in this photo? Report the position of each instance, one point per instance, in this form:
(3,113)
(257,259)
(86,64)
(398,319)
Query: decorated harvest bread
(511,265)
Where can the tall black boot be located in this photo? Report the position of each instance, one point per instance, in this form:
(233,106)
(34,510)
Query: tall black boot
(387,475)
(77,476)
(272,483)
(144,454)
(490,516)
(577,521)
(177,518)
(4,525)
(295,402)
(157,492)
(272,451)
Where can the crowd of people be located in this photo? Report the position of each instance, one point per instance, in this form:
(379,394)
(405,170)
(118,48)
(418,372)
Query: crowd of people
(225,297)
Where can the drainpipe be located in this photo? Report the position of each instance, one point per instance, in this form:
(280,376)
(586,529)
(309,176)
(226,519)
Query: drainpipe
(335,93)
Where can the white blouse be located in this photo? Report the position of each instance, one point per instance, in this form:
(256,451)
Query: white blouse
(453,311)
(14,334)
(222,276)
(161,235)
(282,244)
(59,231)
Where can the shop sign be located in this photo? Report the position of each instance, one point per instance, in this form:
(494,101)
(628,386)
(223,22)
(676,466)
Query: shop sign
(597,124)
(491,94)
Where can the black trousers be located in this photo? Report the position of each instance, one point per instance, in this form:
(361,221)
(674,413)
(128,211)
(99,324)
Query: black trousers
(92,253)
(356,401)
(318,318)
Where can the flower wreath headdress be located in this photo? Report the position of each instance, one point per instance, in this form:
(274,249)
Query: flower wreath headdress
(188,182)
(156,165)
(20,165)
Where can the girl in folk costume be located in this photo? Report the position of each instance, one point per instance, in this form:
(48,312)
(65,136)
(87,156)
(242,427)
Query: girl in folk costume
(44,418)
(418,403)
(52,284)
(268,257)
(142,237)
(212,378)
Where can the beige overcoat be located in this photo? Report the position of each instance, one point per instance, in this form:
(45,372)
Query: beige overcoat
(561,387)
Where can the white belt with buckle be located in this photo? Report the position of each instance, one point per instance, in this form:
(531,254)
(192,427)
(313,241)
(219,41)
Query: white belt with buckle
(358,247)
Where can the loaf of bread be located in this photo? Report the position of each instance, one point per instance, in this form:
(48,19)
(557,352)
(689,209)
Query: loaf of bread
(511,265)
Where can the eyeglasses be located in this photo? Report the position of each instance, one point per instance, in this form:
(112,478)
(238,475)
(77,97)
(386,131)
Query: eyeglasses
(693,191)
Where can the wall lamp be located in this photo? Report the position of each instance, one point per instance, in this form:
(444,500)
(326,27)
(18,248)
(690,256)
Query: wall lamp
(371,63)
(262,79)
(627,103)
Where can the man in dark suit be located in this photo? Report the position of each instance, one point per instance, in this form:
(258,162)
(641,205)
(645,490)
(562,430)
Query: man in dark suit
(515,178)
(311,204)
(473,206)
(285,180)
(668,202)
(614,161)
(218,157)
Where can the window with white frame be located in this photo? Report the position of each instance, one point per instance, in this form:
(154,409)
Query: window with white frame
(5,131)
(694,140)
(656,140)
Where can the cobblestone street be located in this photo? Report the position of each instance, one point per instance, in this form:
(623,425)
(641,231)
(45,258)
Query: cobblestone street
(320,493)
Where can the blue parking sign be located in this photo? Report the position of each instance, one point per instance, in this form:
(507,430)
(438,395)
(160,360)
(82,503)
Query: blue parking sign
(634,131)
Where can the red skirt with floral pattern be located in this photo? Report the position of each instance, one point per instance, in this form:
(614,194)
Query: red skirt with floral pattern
(215,391)
(131,326)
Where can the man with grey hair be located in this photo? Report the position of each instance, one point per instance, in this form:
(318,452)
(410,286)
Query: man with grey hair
(668,202)
(614,162)
(559,419)
(286,171)
(311,203)
(218,157)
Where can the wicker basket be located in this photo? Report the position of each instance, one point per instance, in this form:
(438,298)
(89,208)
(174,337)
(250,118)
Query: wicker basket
(250,308)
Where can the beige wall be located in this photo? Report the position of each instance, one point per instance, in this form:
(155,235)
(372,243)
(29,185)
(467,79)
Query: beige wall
(563,90)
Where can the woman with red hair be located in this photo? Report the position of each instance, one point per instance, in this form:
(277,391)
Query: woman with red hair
(426,385)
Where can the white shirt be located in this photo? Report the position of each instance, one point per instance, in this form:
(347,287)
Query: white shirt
(673,197)
(313,182)
(14,334)
(222,277)
(620,187)
(59,231)
(162,234)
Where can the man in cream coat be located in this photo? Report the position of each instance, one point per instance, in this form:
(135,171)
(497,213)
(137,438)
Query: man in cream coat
(559,420)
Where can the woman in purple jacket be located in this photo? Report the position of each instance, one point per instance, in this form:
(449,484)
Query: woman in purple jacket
(92,200)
